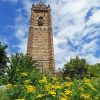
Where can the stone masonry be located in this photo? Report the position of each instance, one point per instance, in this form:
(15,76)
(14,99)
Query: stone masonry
(40,41)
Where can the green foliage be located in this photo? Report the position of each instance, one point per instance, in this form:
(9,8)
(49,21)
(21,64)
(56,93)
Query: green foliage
(52,88)
(3,94)
(76,67)
(23,81)
(94,70)
(3,59)
(19,63)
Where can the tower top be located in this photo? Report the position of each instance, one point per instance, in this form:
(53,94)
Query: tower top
(40,6)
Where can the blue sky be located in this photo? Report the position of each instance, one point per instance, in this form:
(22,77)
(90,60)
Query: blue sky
(75,23)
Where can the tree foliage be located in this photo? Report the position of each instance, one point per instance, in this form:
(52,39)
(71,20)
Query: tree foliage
(94,70)
(76,67)
(19,63)
(3,58)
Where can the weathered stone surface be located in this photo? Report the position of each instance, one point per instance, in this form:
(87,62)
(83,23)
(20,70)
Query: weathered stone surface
(40,41)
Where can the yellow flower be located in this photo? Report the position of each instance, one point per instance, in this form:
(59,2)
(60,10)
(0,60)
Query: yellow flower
(57,87)
(24,74)
(68,92)
(26,81)
(54,78)
(53,93)
(17,69)
(68,84)
(87,80)
(51,87)
(86,96)
(9,86)
(63,98)
(40,95)
(90,86)
(44,80)
(20,99)
(81,88)
(48,87)
(30,89)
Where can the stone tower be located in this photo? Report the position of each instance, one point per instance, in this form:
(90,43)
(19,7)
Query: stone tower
(40,41)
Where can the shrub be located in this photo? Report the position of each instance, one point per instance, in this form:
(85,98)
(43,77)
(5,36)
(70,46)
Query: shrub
(19,65)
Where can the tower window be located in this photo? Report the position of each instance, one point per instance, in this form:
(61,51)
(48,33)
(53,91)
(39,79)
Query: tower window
(40,21)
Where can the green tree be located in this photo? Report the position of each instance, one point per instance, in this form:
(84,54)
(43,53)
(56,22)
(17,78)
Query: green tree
(3,59)
(94,70)
(76,67)
(19,63)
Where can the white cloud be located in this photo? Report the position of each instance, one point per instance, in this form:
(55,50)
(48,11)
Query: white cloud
(95,19)
(21,29)
(69,18)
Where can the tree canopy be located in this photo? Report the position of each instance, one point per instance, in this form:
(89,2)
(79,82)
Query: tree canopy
(76,67)
(3,58)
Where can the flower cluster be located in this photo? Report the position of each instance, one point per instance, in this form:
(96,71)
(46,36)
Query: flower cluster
(8,86)
(30,89)
(85,96)
(44,80)
(53,88)
(23,74)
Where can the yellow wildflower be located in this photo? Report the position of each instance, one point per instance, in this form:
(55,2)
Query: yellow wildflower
(81,88)
(40,95)
(53,93)
(9,86)
(57,87)
(63,98)
(20,99)
(54,78)
(86,80)
(48,87)
(68,92)
(68,84)
(30,89)
(24,74)
(90,86)
(27,81)
(17,69)
(86,96)
(44,80)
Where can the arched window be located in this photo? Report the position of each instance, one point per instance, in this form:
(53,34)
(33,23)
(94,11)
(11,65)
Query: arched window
(40,21)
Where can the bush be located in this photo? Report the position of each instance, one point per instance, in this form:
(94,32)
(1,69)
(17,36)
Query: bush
(19,64)
(52,88)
